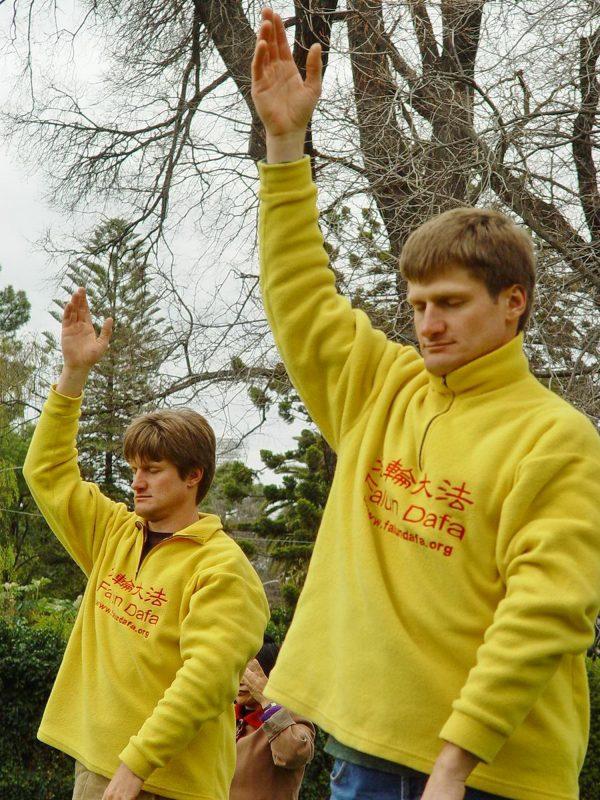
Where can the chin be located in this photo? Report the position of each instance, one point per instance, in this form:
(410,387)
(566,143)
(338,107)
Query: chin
(146,513)
(442,366)
(438,368)
(244,700)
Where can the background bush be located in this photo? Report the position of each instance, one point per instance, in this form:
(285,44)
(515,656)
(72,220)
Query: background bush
(29,661)
(589,781)
(315,785)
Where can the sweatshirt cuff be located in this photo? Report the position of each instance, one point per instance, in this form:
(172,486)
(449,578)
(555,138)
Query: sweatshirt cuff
(61,403)
(136,762)
(281,720)
(473,736)
(284,176)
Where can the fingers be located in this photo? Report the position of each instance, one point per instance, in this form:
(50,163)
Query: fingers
(83,307)
(106,332)
(314,68)
(260,60)
(283,47)
(271,40)
(77,309)
(272,44)
(69,315)
(72,307)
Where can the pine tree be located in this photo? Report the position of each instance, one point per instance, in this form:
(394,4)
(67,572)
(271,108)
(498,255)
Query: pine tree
(14,371)
(113,268)
(293,510)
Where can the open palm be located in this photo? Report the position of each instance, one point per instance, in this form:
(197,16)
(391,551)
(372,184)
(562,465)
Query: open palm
(284,101)
(81,347)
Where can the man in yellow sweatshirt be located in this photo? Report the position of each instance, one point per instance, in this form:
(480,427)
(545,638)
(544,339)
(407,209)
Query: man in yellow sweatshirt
(455,579)
(172,610)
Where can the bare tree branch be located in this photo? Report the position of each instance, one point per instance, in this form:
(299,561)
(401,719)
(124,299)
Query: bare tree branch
(424,33)
(583,129)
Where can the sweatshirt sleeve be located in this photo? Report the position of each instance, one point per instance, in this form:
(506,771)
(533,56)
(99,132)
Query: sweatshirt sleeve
(335,359)
(76,511)
(222,630)
(549,559)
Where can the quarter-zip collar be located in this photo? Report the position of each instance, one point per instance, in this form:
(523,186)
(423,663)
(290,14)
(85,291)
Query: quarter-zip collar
(494,370)
(200,531)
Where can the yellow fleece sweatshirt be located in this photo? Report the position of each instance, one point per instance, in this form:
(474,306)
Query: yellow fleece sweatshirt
(456,575)
(153,663)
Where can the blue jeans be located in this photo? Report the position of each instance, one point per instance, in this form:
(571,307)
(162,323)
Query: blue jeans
(351,782)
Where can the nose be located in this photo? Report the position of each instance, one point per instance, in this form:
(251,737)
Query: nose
(432,323)
(138,481)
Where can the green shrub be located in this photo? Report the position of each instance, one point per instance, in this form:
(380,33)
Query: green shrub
(29,661)
(589,780)
(315,785)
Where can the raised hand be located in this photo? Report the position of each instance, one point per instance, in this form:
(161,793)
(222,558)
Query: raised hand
(284,101)
(255,680)
(81,347)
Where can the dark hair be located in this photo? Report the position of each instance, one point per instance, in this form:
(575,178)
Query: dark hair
(267,655)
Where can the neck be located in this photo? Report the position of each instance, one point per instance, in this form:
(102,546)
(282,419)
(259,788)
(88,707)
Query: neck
(175,521)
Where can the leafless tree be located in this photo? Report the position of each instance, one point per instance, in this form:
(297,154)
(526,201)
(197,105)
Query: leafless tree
(427,105)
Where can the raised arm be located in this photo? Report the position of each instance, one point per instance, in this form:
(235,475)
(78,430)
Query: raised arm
(73,509)
(334,357)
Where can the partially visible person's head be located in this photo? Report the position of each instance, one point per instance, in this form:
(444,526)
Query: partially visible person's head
(267,655)
(172,453)
(266,658)
(471,279)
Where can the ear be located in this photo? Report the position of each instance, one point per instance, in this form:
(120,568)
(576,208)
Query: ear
(516,302)
(194,477)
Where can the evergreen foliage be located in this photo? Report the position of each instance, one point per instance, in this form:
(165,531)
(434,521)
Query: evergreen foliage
(589,780)
(292,512)
(28,548)
(29,660)
(14,310)
(315,785)
(234,496)
(14,369)
(113,268)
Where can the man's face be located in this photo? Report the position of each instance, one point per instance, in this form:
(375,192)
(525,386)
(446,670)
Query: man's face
(158,490)
(457,321)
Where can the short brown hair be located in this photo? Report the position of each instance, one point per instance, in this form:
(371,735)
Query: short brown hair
(181,436)
(485,242)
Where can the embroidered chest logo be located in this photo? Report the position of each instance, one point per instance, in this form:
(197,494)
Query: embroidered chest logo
(130,603)
(431,505)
